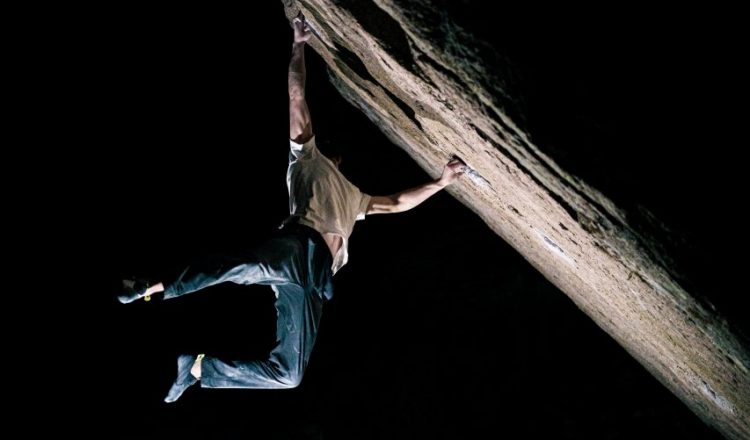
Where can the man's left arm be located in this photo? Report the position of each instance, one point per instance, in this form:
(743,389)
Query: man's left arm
(300,122)
(406,200)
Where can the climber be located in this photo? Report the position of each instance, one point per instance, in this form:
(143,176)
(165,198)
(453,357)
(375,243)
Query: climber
(298,262)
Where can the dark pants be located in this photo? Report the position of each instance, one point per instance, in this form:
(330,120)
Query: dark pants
(296,263)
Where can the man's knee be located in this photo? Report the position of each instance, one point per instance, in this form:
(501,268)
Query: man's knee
(290,378)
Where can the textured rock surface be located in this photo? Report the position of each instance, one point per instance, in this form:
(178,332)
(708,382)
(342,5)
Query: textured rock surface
(425,83)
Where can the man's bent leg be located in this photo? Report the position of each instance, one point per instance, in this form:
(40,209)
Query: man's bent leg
(299,311)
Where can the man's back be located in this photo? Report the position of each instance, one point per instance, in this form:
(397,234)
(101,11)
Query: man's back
(323,199)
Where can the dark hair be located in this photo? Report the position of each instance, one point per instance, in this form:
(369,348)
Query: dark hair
(329,149)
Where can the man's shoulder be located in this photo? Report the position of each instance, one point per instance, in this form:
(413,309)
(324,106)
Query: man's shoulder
(299,148)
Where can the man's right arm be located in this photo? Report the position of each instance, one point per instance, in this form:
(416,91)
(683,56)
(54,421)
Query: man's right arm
(300,123)
(406,200)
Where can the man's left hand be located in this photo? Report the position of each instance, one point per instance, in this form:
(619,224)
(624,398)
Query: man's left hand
(302,31)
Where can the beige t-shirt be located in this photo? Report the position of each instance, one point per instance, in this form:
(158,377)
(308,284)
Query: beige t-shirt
(323,198)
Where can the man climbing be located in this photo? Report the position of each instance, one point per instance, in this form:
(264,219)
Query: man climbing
(298,262)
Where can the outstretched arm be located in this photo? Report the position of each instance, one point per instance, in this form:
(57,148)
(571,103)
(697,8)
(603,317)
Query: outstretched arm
(406,200)
(300,124)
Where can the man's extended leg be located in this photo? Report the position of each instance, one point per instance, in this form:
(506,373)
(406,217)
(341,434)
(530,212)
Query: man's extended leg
(273,262)
(276,261)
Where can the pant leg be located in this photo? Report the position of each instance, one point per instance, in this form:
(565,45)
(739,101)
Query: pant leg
(273,262)
(298,316)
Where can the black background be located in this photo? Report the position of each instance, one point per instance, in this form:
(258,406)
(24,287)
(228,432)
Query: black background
(438,329)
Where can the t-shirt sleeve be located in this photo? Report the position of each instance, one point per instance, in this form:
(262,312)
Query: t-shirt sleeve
(363,204)
(297,150)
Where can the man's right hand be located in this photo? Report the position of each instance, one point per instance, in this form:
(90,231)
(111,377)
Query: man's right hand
(452,171)
(302,31)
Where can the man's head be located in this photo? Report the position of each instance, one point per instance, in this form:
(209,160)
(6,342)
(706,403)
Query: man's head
(331,150)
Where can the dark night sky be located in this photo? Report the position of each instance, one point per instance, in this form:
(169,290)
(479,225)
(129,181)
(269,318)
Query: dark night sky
(438,329)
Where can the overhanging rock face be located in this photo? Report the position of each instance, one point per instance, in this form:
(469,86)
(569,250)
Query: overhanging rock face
(423,81)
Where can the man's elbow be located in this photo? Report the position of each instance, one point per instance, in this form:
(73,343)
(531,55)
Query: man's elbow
(384,205)
(390,204)
(400,204)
